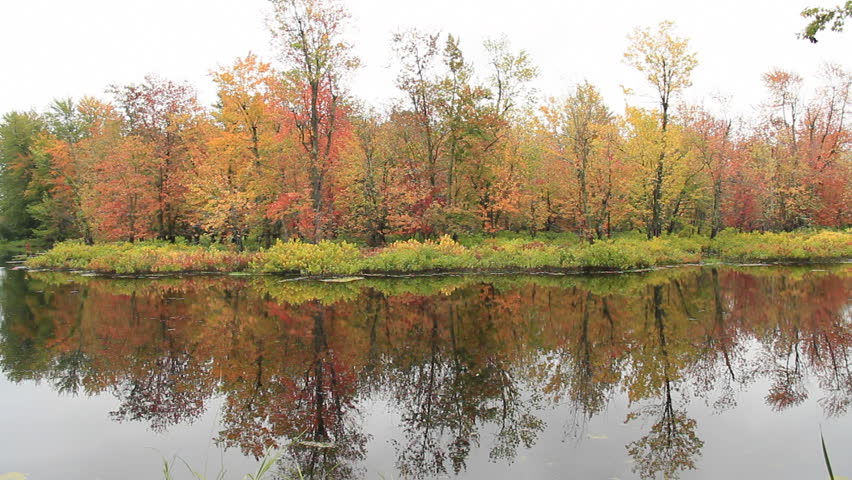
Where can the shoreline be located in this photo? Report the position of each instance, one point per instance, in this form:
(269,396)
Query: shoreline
(292,277)
(328,259)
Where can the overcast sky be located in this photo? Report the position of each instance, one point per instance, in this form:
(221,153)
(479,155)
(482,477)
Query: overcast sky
(53,48)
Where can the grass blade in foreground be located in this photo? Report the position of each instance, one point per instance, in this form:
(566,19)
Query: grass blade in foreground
(825,455)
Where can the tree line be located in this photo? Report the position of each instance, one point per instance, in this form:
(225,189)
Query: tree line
(287,151)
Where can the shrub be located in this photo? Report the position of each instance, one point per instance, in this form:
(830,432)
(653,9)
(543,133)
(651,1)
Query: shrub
(324,258)
(75,255)
(755,246)
(518,254)
(413,256)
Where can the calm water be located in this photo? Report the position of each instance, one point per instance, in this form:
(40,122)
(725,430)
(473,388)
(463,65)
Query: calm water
(690,372)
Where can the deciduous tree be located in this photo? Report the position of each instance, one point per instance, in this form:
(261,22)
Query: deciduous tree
(667,64)
(309,38)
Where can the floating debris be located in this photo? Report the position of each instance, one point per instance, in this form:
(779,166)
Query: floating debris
(341,279)
(307,443)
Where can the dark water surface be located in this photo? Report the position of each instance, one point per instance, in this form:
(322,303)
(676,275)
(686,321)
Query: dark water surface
(693,372)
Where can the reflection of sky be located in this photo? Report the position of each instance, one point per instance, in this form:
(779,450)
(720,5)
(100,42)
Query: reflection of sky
(50,437)
(747,441)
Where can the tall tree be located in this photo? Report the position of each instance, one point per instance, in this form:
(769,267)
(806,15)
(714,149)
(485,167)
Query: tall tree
(788,205)
(583,129)
(369,183)
(499,164)
(495,170)
(422,126)
(418,53)
(236,157)
(825,138)
(18,137)
(459,104)
(159,111)
(711,142)
(60,212)
(309,36)
(667,64)
(117,177)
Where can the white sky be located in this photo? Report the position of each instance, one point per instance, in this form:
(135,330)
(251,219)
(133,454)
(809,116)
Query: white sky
(55,48)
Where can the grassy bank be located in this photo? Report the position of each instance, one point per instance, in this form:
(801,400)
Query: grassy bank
(547,253)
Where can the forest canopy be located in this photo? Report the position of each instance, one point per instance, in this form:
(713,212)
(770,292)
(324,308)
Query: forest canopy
(287,152)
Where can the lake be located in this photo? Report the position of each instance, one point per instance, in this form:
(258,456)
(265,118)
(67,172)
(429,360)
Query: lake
(690,372)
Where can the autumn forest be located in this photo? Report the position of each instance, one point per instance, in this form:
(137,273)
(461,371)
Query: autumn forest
(287,152)
(473,277)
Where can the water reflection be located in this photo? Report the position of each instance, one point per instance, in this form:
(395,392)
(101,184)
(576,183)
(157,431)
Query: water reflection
(299,363)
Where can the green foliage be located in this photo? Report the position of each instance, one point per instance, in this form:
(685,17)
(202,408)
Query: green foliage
(323,258)
(520,254)
(833,18)
(142,257)
(18,134)
(629,254)
(71,255)
(555,238)
(414,256)
(788,246)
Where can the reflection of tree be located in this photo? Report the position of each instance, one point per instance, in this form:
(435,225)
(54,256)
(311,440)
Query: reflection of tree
(458,378)
(512,414)
(832,347)
(168,384)
(788,386)
(722,341)
(784,355)
(323,413)
(584,368)
(812,339)
(167,391)
(424,392)
(248,384)
(672,444)
(71,370)
(303,401)
(670,447)
(456,357)
(24,334)
(374,310)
